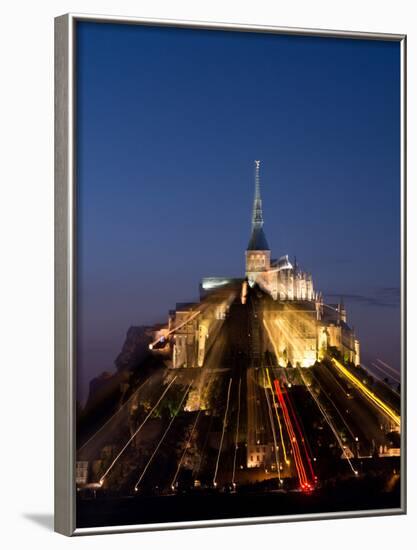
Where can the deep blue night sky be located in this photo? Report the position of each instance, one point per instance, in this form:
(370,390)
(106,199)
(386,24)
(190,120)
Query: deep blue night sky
(169,122)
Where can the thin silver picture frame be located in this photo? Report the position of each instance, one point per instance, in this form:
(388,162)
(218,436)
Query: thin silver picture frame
(66,261)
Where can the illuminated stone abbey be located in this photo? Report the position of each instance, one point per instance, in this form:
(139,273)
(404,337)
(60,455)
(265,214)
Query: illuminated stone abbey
(279,278)
(303,326)
(300,326)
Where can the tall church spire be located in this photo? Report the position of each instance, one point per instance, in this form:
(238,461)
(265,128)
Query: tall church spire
(258,240)
(257,218)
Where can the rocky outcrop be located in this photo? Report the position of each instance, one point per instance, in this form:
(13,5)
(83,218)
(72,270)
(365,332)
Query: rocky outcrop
(135,347)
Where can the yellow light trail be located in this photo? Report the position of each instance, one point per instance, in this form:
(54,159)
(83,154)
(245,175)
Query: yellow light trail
(370,395)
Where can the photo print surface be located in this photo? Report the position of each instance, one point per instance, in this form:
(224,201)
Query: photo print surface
(238,275)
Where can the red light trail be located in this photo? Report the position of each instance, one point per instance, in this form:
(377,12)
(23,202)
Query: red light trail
(303,441)
(305,484)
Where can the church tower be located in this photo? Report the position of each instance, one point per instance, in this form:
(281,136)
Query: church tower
(258,254)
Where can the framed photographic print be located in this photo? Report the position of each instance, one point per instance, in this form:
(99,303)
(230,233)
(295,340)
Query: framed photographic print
(230,290)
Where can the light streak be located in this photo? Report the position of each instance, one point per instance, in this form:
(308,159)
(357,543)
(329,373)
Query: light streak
(244,292)
(271,338)
(379,377)
(289,335)
(259,410)
(396,374)
(368,393)
(329,372)
(185,450)
(293,440)
(330,307)
(301,437)
(163,437)
(196,470)
(176,328)
(334,405)
(389,367)
(279,421)
(222,437)
(115,414)
(136,432)
(271,419)
(204,306)
(237,432)
(329,422)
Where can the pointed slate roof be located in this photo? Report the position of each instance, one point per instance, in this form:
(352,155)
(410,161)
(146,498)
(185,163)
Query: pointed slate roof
(258,240)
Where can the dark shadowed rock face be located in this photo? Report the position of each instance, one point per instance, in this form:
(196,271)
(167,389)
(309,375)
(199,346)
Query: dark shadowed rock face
(105,392)
(102,381)
(135,347)
(134,351)
(110,389)
(107,389)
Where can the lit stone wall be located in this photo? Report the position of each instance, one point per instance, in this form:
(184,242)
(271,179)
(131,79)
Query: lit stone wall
(282,284)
